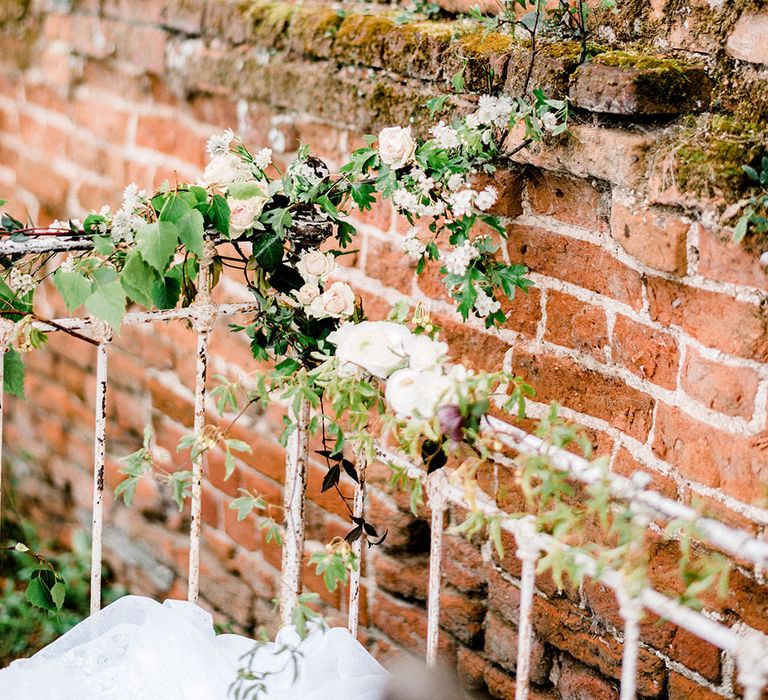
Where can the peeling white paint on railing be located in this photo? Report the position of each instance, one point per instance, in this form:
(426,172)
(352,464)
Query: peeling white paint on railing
(293,505)
(358,509)
(99,452)
(435,484)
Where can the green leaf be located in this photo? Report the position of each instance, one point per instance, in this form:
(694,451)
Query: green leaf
(103,245)
(74,288)
(166,292)
(13,373)
(157,243)
(268,250)
(127,489)
(229,465)
(107,302)
(216,213)
(190,228)
(741,227)
(138,279)
(244,190)
(58,593)
(39,594)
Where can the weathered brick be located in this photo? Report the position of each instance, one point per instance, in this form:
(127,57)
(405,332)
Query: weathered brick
(622,83)
(569,199)
(739,328)
(747,40)
(581,263)
(563,380)
(720,387)
(682,688)
(577,682)
(576,325)
(710,456)
(646,352)
(654,237)
(720,258)
(501,647)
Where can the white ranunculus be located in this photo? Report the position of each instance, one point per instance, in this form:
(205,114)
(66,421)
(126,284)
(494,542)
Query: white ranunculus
(243,213)
(396,146)
(224,169)
(315,266)
(338,301)
(307,294)
(410,392)
(423,352)
(376,346)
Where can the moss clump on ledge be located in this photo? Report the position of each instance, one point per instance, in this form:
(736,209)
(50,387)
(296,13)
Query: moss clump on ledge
(706,159)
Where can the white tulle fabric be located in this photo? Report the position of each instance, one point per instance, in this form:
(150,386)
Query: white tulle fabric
(138,649)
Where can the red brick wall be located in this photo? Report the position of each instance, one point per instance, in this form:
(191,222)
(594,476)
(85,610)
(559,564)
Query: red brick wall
(645,325)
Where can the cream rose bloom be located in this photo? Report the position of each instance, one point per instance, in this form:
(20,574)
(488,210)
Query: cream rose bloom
(243,214)
(424,353)
(396,146)
(376,346)
(410,392)
(307,293)
(337,301)
(315,266)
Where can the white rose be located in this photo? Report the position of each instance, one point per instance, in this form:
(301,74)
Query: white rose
(376,346)
(307,294)
(337,301)
(410,392)
(315,266)
(243,214)
(396,146)
(224,169)
(423,352)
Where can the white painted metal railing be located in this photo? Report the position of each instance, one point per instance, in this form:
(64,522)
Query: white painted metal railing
(746,646)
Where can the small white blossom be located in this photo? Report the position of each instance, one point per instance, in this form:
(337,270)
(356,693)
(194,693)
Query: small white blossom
(21,283)
(457,261)
(445,136)
(412,246)
(133,198)
(59,225)
(405,200)
(455,182)
(219,144)
(263,159)
(461,202)
(486,199)
(485,305)
(124,225)
(473,120)
(424,183)
(549,120)
(68,265)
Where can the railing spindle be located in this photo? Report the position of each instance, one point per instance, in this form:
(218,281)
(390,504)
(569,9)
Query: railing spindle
(203,320)
(631,612)
(436,489)
(293,503)
(99,451)
(528,553)
(357,549)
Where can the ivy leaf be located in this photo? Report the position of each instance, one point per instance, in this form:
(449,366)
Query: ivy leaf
(138,279)
(39,591)
(107,302)
(268,250)
(13,373)
(157,243)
